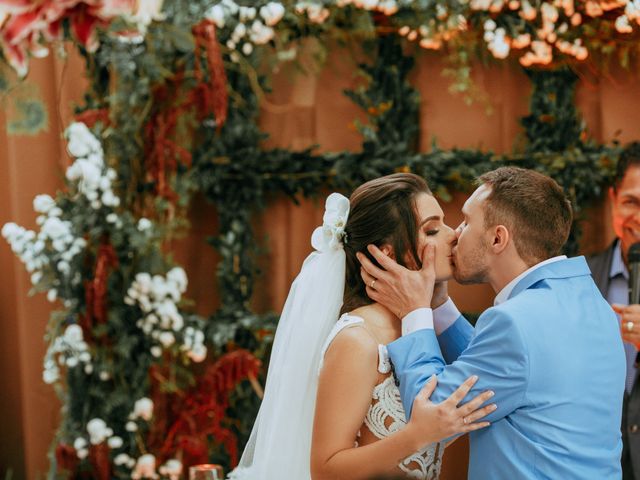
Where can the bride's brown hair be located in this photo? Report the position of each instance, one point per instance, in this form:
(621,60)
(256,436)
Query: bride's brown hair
(382,211)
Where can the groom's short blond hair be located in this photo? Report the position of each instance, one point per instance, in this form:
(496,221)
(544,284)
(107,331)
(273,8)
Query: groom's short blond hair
(534,209)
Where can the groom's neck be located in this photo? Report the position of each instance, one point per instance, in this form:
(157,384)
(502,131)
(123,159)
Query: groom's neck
(504,270)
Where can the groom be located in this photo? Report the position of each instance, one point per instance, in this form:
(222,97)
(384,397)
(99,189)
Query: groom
(550,347)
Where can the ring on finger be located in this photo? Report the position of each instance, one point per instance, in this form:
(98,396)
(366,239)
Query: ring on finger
(373,282)
(464,420)
(629,326)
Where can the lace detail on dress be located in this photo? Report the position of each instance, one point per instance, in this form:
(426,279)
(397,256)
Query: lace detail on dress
(386,414)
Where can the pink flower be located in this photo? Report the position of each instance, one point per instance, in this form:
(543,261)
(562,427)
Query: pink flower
(24,24)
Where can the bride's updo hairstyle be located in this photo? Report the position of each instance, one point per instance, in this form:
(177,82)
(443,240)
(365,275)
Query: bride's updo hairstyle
(382,211)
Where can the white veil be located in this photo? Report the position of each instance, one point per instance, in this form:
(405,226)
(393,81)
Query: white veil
(280,443)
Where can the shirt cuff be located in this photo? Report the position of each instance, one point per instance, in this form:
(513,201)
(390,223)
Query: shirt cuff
(445,315)
(419,319)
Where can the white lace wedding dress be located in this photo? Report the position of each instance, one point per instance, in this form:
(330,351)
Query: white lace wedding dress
(386,414)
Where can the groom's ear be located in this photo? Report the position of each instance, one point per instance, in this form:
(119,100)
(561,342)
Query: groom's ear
(501,239)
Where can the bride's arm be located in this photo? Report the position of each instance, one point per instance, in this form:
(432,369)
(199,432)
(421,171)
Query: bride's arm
(345,386)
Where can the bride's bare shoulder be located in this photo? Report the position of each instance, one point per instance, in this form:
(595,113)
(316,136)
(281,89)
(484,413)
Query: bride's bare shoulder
(353,341)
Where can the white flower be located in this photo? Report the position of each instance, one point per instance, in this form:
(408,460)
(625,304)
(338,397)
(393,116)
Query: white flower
(143,408)
(79,443)
(198,353)
(147,12)
(622,24)
(43,203)
(239,32)
(50,376)
(98,431)
(131,427)
(179,277)
(121,459)
(329,236)
(145,467)
(166,339)
(260,33)
(272,13)
(115,442)
(156,351)
(82,453)
(247,48)
(216,15)
(173,468)
(88,369)
(104,376)
(144,224)
(73,334)
(55,228)
(52,295)
(11,230)
(81,141)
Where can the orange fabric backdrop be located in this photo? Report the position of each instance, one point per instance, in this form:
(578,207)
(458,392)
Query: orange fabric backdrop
(300,112)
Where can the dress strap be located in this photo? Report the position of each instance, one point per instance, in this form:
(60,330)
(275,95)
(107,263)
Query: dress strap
(345,321)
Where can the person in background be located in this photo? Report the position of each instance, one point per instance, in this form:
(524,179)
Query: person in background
(610,272)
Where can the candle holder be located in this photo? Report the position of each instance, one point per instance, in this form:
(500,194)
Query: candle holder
(207,471)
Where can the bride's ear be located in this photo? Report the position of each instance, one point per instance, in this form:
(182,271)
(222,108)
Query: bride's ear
(387,250)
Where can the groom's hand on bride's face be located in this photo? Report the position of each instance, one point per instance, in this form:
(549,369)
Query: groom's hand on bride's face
(399,289)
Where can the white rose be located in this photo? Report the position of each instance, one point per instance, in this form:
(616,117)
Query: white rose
(36,277)
(115,442)
(145,467)
(43,203)
(82,453)
(11,230)
(179,276)
(55,228)
(121,459)
(52,295)
(50,376)
(131,427)
(216,15)
(272,13)
(144,224)
(166,339)
(143,408)
(260,33)
(79,443)
(81,141)
(198,354)
(97,430)
(173,468)
(156,351)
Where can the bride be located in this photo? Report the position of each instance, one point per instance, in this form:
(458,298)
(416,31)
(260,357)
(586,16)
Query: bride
(331,408)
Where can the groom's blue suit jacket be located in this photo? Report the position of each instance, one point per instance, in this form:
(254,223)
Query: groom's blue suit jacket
(553,355)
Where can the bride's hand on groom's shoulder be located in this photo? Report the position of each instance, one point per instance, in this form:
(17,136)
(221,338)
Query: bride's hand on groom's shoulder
(399,289)
(432,422)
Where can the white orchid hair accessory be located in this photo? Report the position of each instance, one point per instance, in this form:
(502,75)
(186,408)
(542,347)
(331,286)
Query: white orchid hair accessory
(331,235)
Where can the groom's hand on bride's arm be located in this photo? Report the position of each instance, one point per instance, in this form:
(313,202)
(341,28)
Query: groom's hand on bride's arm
(399,289)
(432,422)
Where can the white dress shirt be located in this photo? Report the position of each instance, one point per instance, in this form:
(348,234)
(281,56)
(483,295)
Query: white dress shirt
(446,314)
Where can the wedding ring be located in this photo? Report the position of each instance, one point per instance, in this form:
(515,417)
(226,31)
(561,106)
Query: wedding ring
(373,282)
(629,326)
